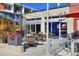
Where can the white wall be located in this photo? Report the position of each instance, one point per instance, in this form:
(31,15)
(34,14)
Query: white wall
(43,25)
(70,25)
(52,12)
(78,24)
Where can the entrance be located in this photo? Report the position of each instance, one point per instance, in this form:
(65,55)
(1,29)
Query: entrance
(38,26)
(54,28)
(63,28)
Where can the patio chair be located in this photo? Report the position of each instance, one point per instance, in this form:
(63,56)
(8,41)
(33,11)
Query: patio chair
(31,39)
(41,36)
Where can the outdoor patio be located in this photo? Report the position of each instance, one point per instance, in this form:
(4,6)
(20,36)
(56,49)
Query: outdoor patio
(57,48)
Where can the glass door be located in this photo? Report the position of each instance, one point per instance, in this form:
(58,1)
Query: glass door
(63,28)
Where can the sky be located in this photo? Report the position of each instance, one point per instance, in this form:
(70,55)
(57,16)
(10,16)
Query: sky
(41,6)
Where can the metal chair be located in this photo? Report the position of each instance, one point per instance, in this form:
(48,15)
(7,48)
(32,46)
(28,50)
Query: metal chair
(41,36)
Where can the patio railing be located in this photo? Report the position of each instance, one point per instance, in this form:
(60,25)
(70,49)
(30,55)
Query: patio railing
(68,43)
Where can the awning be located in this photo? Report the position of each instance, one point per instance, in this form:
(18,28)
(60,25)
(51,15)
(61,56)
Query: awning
(74,10)
(71,15)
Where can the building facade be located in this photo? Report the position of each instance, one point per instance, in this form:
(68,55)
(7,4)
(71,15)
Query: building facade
(13,11)
(11,19)
(37,21)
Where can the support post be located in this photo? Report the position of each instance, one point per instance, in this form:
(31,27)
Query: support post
(48,41)
(35,28)
(30,28)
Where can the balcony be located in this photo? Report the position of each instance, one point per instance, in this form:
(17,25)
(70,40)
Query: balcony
(27,10)
(18,8)
(2,15)
(7,15)
(8,7)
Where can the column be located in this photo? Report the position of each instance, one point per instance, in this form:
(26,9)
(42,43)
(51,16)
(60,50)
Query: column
(35,28)
(43,25)
(51,28)
(72,48)
(15,18)
(78,25)
(30,28)
(13,7)
(75,24)
(23,10)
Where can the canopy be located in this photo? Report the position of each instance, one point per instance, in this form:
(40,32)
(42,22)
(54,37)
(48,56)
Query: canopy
(71,15)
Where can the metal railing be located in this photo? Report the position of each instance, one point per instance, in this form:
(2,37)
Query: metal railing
(69,43)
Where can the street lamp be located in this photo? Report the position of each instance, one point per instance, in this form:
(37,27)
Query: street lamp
(59,23)
(47,34)
(21,21)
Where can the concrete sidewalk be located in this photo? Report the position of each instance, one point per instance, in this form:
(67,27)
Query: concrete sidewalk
(10,50)
(39,50)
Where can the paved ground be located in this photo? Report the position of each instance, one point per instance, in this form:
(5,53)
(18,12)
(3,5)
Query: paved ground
(9,50)
(58,49)
(40,50)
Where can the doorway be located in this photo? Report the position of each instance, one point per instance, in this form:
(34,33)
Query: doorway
(54,28)
(38,26)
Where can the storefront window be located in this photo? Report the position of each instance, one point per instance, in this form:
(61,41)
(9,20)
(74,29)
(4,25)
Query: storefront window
(64,28)
(33,28)
(28,28)
(38,28)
